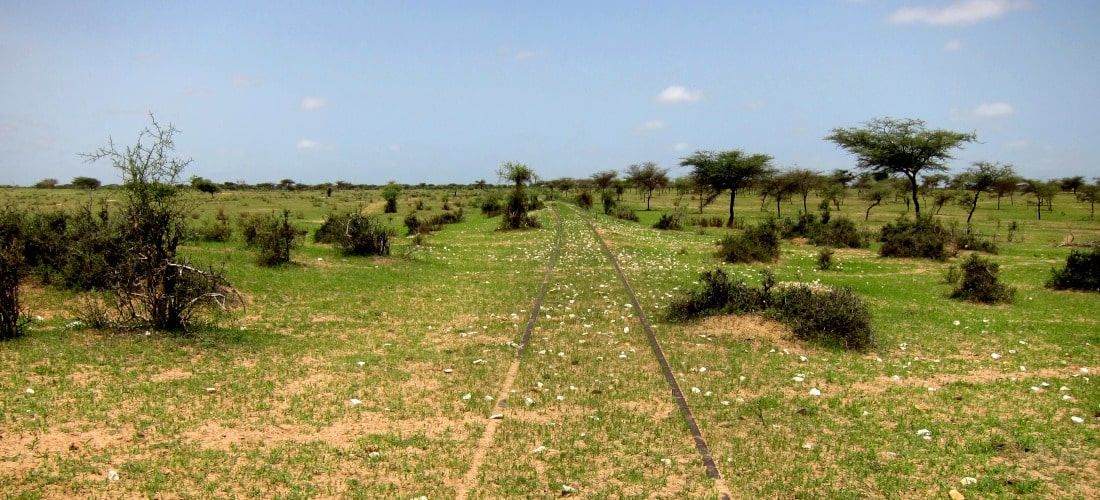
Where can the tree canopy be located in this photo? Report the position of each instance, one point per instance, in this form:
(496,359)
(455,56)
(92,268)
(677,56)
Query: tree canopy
(647,177)
(724,170)
(888,146)
(979,178)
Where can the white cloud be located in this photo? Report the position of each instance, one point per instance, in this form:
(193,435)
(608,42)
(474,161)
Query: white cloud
(680,147)
(652,125)
(952,45)
(312,145)
(994,109)
(987,110)
(678,94)
(313,103)
(961,12)
(394,148)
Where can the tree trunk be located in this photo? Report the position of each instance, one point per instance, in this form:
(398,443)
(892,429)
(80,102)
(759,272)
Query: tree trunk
(916,201)
(733,197)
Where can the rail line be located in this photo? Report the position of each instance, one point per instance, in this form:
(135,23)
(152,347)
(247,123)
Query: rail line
(485,443)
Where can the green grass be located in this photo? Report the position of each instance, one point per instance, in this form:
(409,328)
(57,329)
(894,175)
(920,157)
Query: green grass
(279,421)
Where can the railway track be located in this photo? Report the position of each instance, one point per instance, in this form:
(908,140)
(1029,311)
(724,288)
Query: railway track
(585,311)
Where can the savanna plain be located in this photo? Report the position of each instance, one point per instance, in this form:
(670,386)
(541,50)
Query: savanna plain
(375,377)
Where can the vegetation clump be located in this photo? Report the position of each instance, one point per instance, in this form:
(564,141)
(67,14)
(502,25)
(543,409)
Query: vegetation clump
(12,271)
(923,237)
(355,234)
(827,315)
(273,237)
(980,283)
(150,285)
(1081,272)
(759,243)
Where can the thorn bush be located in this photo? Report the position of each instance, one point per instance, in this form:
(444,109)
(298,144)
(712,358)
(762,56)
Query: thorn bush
(12,271)
(832,316)
(1081,272)
(759,243)
(980,283)
(923,237)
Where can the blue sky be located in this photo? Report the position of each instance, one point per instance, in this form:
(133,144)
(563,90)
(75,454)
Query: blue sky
(443,92)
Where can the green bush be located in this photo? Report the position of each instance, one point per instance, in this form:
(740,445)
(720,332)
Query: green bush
(82,250)
(274,238)
(213,231)
(759,243)
(491,207)
(624,213)
(832,316)
(980,283)
(717,295)
(924,237)
(12,271)
(584,200)
(516,214)
(838,232)
(608,202)
(356,234)
(670,222)
(825,258)
(1081,272)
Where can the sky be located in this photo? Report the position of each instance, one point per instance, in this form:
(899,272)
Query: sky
(445,92)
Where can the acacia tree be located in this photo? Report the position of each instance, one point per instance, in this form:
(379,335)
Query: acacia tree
(803,181)
(647,177)
(205,185)
(82,182)
(732,170)
(1089,193)
(979,178)
(1043,191)
(1007,185)
(887,146)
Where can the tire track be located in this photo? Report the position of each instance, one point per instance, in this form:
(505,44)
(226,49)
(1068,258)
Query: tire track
(486,441)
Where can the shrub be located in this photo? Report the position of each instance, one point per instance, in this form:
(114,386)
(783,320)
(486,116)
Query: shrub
(625,213)
(832,316)
(390,194)
(81,250)
(718,295)
(838,232)
(608,202)
(980,283)
(759,243)
(1081,272)
(12,271)
(213,231)
(923,237)
(516,214)
(360,235)
(670,221)
(584,200)
(274,239)
(825,258)
(491,207)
